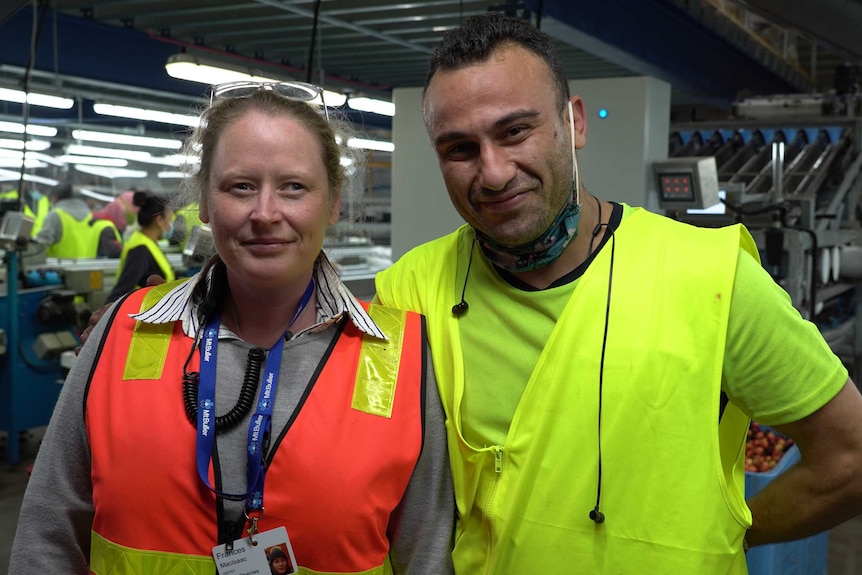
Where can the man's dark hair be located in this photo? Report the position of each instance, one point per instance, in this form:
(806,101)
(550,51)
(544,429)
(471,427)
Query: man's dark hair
(62,191)
(480,36)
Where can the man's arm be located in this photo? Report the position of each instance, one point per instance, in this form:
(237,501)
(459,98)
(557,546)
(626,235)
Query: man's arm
(51,230)
(822,490)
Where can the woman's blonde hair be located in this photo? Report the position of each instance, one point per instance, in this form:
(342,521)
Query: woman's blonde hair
(223,113)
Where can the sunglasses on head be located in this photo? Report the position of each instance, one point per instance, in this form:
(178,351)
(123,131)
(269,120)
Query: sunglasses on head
(299,91)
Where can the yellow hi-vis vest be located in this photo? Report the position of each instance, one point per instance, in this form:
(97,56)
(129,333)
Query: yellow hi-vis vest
(138,238)
(98,227)
(76,239)
(672,478)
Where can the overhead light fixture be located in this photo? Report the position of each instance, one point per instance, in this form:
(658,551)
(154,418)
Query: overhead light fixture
(81,150)
(18,155)
(173,160)
(198,69)
(94,161)
(365,144)
(34,145)
(372,105)
(17,128)
(111,173)
(169,175)
(35,99)
(10,176)
(95,195)
(112,138)
(29,164)
(146,115)
(45,158)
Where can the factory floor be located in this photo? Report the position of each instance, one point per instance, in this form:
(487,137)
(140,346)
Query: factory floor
(845,541)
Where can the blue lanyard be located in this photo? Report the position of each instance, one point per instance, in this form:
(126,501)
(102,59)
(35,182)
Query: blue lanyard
(261,422)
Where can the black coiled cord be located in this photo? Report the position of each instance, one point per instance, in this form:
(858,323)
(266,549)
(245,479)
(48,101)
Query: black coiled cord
(243,404)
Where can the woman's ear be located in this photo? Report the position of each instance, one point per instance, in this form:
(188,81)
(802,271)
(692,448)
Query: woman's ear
(203,213)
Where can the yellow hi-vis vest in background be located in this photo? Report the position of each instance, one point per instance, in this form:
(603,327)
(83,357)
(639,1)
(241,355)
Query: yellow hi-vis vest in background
(138,238)
(672,480)
(76,240)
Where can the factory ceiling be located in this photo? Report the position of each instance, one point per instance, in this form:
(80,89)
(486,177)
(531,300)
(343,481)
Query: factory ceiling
(712,52)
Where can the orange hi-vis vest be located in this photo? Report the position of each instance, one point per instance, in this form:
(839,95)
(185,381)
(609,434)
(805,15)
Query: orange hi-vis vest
(335,473)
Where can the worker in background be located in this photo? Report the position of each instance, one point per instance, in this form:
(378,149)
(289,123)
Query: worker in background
(141,255)
(66,231)
(109,241)
(585,363)
(34,205)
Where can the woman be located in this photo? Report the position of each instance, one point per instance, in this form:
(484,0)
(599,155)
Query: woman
(167,469)
(141,256)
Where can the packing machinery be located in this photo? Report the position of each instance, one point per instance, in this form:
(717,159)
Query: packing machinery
(794,181)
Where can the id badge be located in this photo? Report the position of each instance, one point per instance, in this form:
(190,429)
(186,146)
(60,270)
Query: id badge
(272,554)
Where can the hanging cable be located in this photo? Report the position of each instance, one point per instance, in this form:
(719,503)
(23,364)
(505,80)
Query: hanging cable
(311,46)
(25,107)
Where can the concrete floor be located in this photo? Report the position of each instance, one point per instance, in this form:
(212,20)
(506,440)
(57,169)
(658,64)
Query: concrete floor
(845,541)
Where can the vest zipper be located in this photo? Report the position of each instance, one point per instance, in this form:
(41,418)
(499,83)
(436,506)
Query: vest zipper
(489,502)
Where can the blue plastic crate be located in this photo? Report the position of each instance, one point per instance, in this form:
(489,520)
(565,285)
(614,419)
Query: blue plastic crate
(803,557)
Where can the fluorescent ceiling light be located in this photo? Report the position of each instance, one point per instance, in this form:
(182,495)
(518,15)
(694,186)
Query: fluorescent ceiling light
(35,99)
(79,150)
(35,145)
(112,138)
(94,161)
(194,69)
(147,115)
(371,144)
(197,69)
(95,195)
(172,175)
(18,155)
(29,164)
(111,173)
(17,128)
(345,161)
(175,160)
(372,105)
(10,176)
(45,158)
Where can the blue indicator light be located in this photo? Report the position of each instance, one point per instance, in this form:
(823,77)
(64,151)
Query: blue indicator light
(603,113)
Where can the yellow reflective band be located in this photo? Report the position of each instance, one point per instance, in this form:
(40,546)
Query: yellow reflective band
(148,349)
(377,372)
(108,558)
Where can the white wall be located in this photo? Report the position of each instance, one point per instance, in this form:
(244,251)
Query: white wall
(421,209)
(616,163)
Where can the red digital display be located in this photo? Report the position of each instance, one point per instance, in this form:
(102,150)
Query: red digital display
(676,187)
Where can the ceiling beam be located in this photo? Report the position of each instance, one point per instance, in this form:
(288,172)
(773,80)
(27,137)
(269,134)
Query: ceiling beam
(836,23)
(657,38)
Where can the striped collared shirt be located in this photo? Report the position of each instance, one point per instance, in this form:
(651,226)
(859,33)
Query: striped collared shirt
(334,300)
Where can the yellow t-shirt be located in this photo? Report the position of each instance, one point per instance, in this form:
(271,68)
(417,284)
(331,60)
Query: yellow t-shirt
(501,350)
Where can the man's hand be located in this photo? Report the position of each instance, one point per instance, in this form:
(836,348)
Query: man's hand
(153,280)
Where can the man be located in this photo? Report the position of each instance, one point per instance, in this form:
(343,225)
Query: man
(66,231)
(584,368)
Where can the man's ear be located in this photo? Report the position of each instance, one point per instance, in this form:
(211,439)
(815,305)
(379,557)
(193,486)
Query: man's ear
(579,115)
